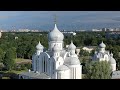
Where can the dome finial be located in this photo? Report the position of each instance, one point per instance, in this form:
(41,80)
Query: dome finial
(39,42)
(55,19)
(55,22)
(111,54)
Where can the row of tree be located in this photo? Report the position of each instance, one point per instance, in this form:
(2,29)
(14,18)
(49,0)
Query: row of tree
(24,45)
(98,70)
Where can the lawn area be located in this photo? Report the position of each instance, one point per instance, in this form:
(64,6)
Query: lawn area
(21,60)
(5,77)
(13,71)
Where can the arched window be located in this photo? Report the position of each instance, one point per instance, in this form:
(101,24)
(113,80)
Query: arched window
(44,65)
(21,77)
(36,64)
(53,67)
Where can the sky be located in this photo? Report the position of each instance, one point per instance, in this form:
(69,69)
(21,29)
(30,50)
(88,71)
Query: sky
(67,20)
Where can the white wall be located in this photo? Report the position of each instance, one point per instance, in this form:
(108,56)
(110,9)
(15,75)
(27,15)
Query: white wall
(113,67)
(75,71)
(63,74)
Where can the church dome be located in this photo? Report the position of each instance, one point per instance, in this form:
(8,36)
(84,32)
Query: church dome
(55,35)
(56,48)
(39,46)
(71,46)
(112,60)
(102,45)
(62,68)
(72,61)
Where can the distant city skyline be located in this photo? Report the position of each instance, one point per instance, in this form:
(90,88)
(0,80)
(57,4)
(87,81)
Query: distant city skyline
(68,20)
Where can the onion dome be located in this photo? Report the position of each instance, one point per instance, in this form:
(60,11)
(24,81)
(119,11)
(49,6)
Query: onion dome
(55,35)
(56,48)
(72,61)
(39,46)
(111,54)
(102,45)
(112,60)
(71,46)
(62,68)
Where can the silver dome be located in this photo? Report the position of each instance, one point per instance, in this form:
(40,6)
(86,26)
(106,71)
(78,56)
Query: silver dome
(39,46)
(112,60)
(55,35)
(71,46)
(72,61)
(62,67)
(102,45)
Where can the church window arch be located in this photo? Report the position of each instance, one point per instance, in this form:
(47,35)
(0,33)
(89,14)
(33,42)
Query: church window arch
(44,65)
(53,67)
(21,77)
(36,64)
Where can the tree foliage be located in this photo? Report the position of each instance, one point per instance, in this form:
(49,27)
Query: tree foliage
(98,70)
(9,59)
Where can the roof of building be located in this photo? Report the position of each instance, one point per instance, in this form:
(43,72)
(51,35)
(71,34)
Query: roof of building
(35,75)
(116,75)
(55,35)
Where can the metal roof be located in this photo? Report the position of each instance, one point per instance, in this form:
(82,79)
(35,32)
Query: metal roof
(116,75)
(36,75)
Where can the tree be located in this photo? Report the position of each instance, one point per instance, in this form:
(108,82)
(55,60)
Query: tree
(98,70)
(1,55)
(9,59)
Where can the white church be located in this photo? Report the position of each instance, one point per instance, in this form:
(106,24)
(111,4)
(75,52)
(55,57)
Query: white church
(55,63)
(102,55)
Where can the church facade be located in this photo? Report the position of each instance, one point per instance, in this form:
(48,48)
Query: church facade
(102,55)
(56,62)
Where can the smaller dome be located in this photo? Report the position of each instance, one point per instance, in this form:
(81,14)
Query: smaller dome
(102,45)
(39,46)
(71,46)
(112,60)
(62,68)
(56,48)
(72,61)
(111,54)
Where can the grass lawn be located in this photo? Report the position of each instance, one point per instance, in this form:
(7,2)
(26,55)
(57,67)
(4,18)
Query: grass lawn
(14,71)
(5,77)
(21,60)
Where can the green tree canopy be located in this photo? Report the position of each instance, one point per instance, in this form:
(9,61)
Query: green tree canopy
(98,70)
(9,59)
